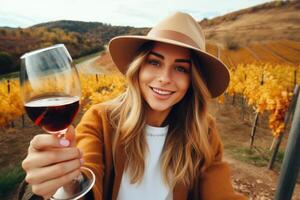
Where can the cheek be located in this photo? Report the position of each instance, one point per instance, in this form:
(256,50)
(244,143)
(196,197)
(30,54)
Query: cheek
(141,77)
(145,76)
(143,80)
(183,83)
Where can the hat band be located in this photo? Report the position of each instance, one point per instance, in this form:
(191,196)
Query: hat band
(173,35)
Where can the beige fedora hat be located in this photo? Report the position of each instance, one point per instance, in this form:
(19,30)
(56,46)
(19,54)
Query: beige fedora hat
(178,29)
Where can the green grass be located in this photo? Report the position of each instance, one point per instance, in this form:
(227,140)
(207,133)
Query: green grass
(9,76)
(10,179)
(256,156)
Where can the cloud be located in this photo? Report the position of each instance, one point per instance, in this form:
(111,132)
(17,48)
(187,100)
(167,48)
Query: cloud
(116,12)
(15,20)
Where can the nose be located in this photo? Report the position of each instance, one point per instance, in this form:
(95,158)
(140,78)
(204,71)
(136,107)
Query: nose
(165,75)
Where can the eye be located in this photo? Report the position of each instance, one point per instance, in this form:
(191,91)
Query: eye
(181,69)
(153,62)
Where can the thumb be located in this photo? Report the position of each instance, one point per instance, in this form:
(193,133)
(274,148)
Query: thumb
(70,135)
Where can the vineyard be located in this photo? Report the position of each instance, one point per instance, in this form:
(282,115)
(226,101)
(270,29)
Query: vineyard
(95,88)
(263,74)
(262,81)
(255,116)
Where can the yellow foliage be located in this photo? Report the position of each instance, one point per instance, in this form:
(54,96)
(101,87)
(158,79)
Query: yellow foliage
(94,90)
(266,87)
(273,95)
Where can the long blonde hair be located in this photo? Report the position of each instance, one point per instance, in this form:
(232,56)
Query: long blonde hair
(186,151)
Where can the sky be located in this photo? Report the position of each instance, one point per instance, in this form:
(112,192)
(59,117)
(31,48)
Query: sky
(137,13)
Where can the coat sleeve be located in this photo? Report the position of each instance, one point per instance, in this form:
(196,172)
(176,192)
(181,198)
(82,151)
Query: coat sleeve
(89,139)
(215,181)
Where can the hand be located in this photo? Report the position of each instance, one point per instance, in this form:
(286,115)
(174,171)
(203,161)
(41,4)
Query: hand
(52,162)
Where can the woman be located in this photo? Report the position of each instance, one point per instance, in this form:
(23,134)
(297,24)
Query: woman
(155,141)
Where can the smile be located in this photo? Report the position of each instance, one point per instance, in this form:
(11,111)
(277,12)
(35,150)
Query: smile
(161,92)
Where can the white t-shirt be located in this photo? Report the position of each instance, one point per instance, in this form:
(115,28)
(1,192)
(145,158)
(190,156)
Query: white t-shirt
(152,185)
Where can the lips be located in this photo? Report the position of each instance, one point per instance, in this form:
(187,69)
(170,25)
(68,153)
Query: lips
(162,92)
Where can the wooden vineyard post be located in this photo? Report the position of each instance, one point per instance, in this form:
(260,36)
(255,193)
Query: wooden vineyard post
(291,162)
(243,107)
(253,130)
(252,135)
(233,99)
(23,121)
(8,86)
(287,117)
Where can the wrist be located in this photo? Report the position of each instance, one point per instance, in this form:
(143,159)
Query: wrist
(71,189)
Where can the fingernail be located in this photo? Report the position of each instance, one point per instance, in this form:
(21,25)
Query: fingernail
(81,160)
(64,142)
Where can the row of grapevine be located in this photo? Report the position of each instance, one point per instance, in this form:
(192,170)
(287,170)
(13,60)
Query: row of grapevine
(290,55)
(95,89)
(266,87)
(281,51)
(264,74)
(273,95)
(10,102)
(100,88)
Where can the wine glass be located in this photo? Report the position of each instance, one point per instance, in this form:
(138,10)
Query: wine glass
(50,89)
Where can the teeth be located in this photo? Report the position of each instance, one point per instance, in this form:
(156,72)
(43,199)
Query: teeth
(162,92)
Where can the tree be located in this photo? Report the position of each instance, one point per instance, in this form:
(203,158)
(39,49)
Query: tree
(2,31)
(6,63)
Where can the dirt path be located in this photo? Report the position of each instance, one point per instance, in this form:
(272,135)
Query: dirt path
(95,65)
(255,182)
(87,67)
(258,183)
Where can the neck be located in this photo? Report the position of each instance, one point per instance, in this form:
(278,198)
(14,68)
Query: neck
(156,118)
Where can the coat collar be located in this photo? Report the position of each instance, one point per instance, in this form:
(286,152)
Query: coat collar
(180,191)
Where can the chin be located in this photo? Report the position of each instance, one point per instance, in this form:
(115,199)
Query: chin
(159,107)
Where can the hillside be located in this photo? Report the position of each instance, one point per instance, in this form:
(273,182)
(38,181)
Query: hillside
(277,20)
(81,38)
(91,30)
(262,23)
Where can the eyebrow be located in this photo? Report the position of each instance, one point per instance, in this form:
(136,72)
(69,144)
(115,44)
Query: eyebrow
(176,60)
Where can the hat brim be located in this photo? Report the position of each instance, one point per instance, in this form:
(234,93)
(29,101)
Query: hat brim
(123,49)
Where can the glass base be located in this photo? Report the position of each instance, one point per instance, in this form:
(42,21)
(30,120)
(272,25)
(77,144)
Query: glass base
(82,185)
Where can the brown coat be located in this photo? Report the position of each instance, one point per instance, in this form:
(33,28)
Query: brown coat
(94,137)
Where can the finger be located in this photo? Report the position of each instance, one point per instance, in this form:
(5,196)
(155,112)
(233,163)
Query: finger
(47,173)
(70,135)
(50,157)
(46,141)
(47,188)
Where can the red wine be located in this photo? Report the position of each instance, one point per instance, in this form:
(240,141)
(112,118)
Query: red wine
(53,114)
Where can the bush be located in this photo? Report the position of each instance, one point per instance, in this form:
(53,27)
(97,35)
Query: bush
(6,62)
(230,43)
(10,179)
(279,3)
(3,32)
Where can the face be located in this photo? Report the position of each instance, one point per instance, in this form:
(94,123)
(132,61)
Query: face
(164,77)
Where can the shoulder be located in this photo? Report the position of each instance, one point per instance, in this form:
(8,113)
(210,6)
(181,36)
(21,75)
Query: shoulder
(96,111)
(104,108)
(94,118)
